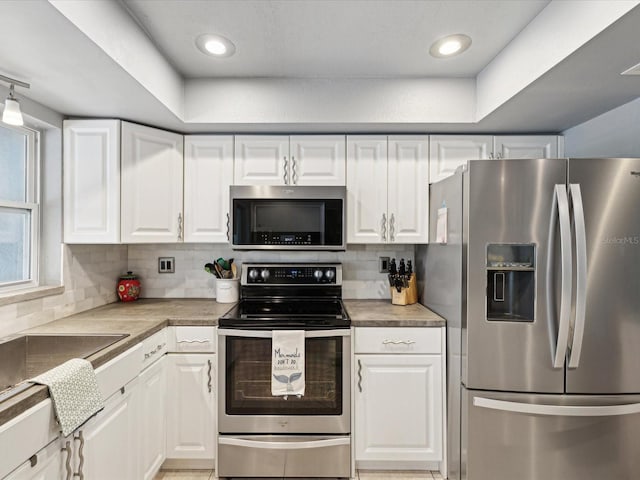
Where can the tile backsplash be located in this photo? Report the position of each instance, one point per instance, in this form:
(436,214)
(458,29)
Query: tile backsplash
(90,275)
(361,278)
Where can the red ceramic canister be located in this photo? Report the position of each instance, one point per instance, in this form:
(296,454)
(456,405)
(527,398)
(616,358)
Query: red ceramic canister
(128,287)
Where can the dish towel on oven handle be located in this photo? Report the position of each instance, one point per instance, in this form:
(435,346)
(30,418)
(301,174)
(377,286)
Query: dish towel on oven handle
(287,366)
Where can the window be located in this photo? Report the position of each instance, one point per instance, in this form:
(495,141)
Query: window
(19,196)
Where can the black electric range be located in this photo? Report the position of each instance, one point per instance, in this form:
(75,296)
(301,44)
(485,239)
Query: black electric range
(289,296)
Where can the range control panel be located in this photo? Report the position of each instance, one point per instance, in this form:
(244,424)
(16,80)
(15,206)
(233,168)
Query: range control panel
(291,274)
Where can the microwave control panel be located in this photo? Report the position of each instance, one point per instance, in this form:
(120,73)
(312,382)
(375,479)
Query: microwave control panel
(278,238)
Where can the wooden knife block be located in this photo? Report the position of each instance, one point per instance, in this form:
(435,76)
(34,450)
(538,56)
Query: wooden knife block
(406,296)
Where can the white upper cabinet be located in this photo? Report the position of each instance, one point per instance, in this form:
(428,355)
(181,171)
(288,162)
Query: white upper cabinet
(387,189)
(317,160)
(152,182)
(408,189)
(284,160)
(448,152)
(526,146)
(91,181)
(208,173)
(366,189)
(261,160)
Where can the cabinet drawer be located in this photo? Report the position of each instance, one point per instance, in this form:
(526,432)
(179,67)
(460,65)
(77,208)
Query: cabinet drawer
(154,347)
(192,339)
(398,340)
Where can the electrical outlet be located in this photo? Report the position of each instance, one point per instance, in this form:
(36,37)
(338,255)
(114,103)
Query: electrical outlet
(384,264)
(166,264)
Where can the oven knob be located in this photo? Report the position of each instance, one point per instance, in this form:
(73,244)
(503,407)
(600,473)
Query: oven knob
(253,274)
(265,274)
(329,274)
(318,274)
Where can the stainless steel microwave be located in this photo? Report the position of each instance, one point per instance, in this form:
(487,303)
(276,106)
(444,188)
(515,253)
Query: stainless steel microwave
(266,217)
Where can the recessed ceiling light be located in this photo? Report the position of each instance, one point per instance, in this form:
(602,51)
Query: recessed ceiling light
(215,45)
(450,45)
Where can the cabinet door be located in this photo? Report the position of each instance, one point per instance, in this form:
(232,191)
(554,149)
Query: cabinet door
(398,408)
(91,165)
(208,172)
(151,185)
(448,152)
(408,189)
(110,441)
(190,406)
(153,414)
(526,146)
(367,189)
(261,160)
(48,465)
(317,160)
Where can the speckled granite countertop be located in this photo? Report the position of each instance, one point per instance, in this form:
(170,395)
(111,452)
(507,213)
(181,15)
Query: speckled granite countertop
(382,313)
(139,320)
(145,317)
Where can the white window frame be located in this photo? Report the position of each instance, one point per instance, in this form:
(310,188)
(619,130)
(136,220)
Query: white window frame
(32,205)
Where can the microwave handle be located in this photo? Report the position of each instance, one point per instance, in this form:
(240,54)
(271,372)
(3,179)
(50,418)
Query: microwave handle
(230,332)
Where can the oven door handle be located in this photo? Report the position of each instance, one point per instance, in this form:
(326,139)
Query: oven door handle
(268,445)
(229,332)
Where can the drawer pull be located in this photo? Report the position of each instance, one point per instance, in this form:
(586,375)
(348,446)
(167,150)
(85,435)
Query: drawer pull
(359,375)
(398,342)
(193,341)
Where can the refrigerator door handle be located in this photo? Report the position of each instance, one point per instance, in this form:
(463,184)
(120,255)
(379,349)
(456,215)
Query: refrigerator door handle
(581,275)
(561,205)
(557,410)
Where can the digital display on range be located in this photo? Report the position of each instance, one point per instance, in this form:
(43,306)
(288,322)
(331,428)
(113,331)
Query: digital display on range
(287,238)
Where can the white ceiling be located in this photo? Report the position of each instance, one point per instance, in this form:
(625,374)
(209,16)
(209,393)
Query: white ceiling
(332,38)
(331,66)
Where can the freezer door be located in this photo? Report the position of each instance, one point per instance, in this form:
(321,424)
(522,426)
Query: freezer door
(609,357)
(550,437)
(509,338)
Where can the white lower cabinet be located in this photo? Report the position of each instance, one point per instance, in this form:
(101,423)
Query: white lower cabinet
(398,398)
(44,465)
(153,423)
(106,447)
(190,407)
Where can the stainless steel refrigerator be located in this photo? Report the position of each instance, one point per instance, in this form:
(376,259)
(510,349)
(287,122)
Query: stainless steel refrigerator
(539,281)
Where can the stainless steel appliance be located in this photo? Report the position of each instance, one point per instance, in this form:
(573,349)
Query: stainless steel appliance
(262,435)
(288,217)
(543,356)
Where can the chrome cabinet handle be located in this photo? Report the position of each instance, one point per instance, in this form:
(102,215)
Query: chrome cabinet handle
(154,351)
(284,174)
(384,227)
(228,226)
(398,342)
(179,226)
(193,341)
(392,228)
(80,438)
(209,375)
(359,375)
(67,463)
(294,175)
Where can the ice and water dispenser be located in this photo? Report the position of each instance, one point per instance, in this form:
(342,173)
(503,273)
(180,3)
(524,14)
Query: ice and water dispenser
(510,282)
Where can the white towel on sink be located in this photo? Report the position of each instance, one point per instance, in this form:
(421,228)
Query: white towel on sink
(287,367)
(74,392)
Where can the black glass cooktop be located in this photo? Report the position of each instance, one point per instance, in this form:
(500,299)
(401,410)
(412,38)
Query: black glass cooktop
(286,313)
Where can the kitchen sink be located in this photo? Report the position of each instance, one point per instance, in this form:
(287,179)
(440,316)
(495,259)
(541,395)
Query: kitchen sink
(26,356)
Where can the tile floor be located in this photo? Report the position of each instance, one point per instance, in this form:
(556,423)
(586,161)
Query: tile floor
(362,475)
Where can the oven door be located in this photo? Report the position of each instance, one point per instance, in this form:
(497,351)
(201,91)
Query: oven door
(245,402)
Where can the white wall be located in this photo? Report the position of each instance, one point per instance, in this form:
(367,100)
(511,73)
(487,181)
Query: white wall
(615,133)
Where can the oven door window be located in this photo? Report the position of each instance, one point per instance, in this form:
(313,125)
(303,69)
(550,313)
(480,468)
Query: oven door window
(248,378)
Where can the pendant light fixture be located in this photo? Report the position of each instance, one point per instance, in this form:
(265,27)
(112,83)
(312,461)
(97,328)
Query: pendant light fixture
(12,114)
